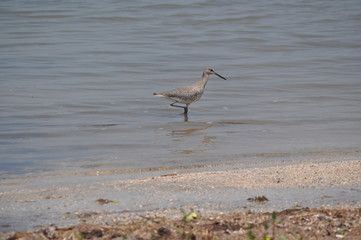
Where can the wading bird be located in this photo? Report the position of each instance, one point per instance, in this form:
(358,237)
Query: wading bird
(189,94)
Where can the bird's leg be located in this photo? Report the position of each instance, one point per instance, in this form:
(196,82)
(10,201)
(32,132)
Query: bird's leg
(185,108)
(173,105)
(185,117)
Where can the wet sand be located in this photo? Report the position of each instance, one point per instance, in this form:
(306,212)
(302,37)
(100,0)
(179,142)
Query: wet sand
(108,198)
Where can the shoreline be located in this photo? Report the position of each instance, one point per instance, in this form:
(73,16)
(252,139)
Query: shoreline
(267,159)
(62,200)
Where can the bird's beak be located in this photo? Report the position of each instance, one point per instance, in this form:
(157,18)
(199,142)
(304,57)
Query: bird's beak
(219,76)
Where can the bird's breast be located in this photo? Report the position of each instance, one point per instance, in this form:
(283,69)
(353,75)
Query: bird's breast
(192,97)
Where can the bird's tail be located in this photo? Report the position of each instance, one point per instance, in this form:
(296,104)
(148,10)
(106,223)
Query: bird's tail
(158,95)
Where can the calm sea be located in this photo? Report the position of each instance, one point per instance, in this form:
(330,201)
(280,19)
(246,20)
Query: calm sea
(77,78)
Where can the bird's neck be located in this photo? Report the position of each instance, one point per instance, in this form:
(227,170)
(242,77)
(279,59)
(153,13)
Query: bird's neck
(204,80)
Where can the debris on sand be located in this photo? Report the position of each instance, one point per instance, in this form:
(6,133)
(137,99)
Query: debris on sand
(302,223)
(103,201)
(260,198)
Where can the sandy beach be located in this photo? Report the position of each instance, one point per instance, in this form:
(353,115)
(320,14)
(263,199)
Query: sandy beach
(317,188)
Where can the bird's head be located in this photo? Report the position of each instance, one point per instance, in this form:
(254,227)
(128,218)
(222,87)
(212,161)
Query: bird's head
(210,70)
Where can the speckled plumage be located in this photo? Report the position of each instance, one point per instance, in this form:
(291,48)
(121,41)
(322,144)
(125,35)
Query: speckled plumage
(188,94)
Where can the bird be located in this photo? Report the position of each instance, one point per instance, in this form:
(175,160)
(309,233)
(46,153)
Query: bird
(189,94)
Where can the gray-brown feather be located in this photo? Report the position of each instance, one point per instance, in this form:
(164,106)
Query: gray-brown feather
(185,95)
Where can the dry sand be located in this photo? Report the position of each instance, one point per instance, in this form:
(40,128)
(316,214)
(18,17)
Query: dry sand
(300,175)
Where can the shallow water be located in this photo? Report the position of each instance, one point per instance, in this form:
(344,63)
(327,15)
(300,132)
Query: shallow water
(77,79)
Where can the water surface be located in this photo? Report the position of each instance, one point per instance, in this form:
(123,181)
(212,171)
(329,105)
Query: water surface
(77,79)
